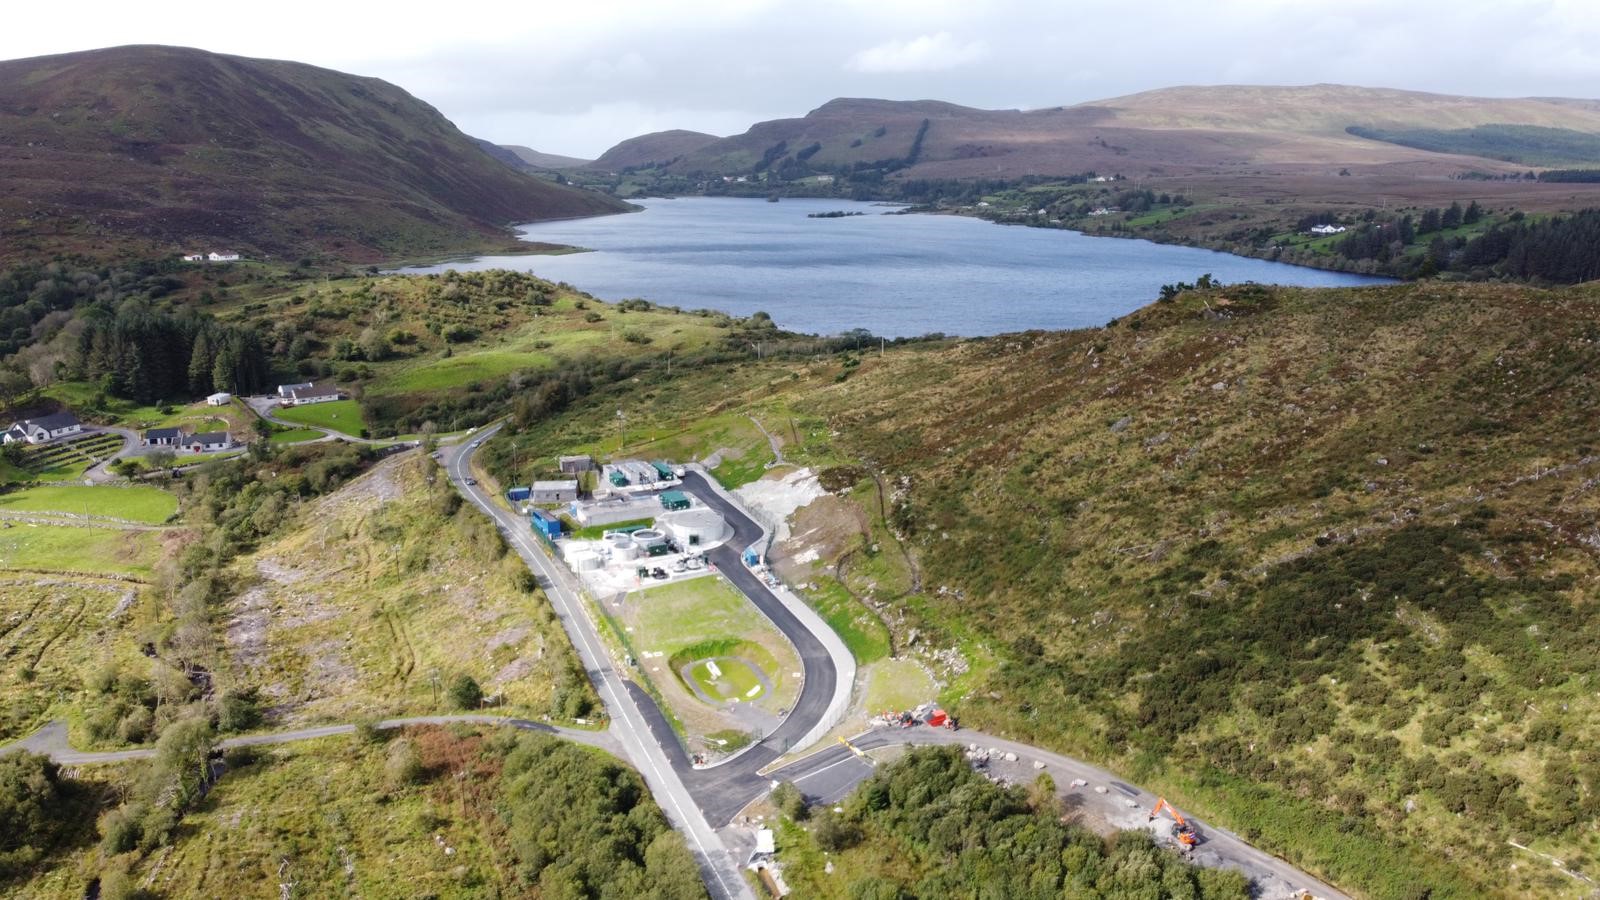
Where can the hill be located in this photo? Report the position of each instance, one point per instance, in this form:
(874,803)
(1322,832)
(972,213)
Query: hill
(1320,565)
(169,149)
(1183,130)
(656,148)
(540,160)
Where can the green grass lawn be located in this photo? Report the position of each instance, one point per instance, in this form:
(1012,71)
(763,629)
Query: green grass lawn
(294,436)
(735,681)
(596,532)
(137,504)
(736,473)
(466,368)
(675,616)
(59,548)
(340,415)
(10,474)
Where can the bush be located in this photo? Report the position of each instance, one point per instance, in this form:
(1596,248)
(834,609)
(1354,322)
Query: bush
(31,804)
(403,766)
(789,801)
(121,829)
(465,692)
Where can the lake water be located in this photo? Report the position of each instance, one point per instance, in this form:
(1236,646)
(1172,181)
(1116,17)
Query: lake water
(896,275)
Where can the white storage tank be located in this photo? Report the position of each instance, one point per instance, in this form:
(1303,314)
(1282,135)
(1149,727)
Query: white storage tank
(649,537)
(697,527)
(625,549)
(586,562)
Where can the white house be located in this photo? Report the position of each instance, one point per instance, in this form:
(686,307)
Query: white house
(163,437)
(1327,229)
(222,257)
(284,390)
(220,398)
(300,396)
(42,429)
(194,257)
(209,441)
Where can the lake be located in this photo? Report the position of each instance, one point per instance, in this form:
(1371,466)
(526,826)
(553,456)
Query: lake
(895,275)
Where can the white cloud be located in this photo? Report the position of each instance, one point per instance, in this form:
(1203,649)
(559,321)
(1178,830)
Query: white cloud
(926,53)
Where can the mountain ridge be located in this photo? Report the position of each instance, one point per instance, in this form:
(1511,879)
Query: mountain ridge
(173,148)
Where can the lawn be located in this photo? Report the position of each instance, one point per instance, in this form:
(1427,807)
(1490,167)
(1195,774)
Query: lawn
(676,616)
(294,436)
(339,415)
(732,680)
(738,472)
(463,369)
(150,505)
(596,532)
(59,548)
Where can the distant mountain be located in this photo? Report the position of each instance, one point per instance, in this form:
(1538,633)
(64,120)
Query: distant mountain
(650,149)
(540,160)
(181,149)
(1171,131)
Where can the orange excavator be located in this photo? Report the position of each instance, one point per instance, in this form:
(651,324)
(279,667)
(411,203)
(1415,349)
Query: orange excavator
(1183,832)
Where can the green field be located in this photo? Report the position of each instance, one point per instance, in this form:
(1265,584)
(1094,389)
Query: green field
(735,679)
(53,636)
(466,368)
(61,548)
(294,436)
(860,628)
(150,505)
(339,415)
(677,616)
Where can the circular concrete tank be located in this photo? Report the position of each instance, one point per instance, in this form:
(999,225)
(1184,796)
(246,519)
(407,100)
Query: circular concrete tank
(649,537)
(625,550)
(696,527)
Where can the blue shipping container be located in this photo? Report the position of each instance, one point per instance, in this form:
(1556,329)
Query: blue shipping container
(545,525)
(518,493)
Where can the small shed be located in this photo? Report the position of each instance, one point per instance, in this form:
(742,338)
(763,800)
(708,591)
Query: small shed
(674,500)
(518,494)
(553,492)
(544,524)
(220,398)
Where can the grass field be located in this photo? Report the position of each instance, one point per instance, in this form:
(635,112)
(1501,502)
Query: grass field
(897,684)
(340,415)
(294,436)
(734,679)
(689,621)
(377,600)
(140,503)
(860,629)
(97,551)
(53,635)
(322,814)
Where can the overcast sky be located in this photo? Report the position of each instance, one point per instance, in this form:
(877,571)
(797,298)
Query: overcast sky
(576,77)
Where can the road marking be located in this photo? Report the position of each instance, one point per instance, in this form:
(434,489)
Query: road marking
(847,759)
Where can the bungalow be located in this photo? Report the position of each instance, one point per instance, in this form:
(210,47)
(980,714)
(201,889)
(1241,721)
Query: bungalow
(163,437)
(1327,229)
(194,257)
(220,398)
(209,441)
(300,396)
(285,389)
(44,428)
(222,257)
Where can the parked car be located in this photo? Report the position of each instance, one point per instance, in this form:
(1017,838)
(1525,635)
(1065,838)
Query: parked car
(472,481)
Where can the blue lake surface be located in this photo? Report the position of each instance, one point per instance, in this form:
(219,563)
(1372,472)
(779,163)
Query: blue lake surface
(895,275)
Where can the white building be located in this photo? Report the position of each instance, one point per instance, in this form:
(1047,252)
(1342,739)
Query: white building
(302,395)
(194,257)
(44,428)
(220,398)
(1327,229)
(207,442)
(222,257)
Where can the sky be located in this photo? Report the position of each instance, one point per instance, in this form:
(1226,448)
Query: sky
(577,77)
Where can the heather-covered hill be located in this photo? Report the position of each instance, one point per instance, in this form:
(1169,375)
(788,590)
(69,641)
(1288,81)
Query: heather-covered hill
(168,149)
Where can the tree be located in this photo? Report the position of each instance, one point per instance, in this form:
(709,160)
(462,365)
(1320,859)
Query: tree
(1452,216)
(789,801)
(1473,214)
(201,362)
(465,692)
(1430,222)
(31,806)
